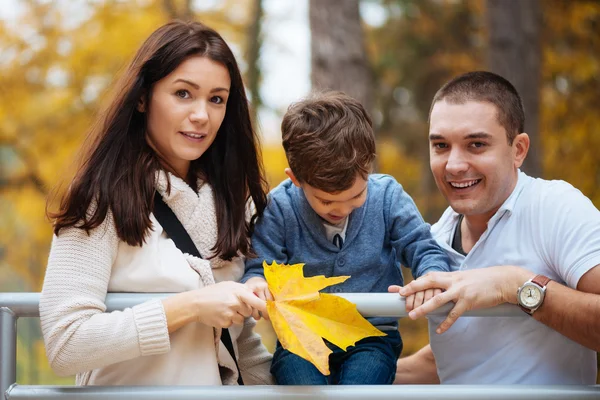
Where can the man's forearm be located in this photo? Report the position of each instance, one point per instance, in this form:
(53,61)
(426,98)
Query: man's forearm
(573,313)
(417,369)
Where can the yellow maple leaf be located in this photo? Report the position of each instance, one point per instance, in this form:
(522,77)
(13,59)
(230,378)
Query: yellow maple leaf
(302,317)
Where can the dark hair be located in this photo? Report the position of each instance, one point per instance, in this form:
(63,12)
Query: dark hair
(487,87)
(328,139)
(118,170)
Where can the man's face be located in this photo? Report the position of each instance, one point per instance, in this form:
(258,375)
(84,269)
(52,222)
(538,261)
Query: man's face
(473,165)
(334,207)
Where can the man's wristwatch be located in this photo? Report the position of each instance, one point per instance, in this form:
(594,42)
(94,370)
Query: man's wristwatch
(530,296)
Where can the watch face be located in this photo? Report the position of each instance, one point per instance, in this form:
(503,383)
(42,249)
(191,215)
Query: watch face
(530,296)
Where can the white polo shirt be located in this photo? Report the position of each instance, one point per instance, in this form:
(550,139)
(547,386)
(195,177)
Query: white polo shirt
(549,228)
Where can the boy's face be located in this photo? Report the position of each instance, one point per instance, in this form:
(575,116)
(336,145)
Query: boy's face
(333,207)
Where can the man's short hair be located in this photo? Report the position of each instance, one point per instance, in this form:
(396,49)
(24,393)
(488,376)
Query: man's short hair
(484,86)
(328,140)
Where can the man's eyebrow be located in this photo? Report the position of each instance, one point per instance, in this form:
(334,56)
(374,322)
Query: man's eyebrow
(478,135)
(474,135)
(195,85)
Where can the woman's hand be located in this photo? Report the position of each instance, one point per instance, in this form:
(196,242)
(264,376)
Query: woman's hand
(220,305)
(226,303)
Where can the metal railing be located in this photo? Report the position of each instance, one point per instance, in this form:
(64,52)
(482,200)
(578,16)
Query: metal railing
(15,305)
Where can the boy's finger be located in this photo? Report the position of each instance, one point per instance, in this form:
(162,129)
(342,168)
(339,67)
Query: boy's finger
(429,293)
(394,289)
(410,303)
(419,298)
(431,305)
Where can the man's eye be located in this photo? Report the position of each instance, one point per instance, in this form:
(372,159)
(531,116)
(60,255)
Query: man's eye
(440,145)
(477,145)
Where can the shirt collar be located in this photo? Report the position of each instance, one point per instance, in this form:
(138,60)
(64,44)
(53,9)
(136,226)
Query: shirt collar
(445,226)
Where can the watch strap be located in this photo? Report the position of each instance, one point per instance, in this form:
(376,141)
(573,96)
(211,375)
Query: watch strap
(541,281)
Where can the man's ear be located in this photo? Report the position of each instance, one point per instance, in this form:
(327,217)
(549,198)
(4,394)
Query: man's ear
(290,174)
(521,147)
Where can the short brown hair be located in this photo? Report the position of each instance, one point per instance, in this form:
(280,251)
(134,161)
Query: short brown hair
(328,139)
(487,87)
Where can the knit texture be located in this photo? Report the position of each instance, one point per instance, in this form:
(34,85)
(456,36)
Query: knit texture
(82,338)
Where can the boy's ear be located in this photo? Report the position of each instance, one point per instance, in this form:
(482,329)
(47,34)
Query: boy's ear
(290,174)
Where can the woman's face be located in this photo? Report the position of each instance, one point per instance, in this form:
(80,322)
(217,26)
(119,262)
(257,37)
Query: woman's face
(186,110)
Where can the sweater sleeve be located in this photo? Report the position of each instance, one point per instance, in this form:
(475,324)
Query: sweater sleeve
(78,332)
(411,236)
(254,359)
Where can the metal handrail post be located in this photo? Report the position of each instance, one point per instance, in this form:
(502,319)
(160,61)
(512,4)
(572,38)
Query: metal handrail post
(8,349)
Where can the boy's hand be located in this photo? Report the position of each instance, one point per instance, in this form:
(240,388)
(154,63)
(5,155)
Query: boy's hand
(261,289)
(417,299)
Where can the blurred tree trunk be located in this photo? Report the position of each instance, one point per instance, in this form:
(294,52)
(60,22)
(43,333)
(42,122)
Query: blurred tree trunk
(515,53)
(253,76)
(339,59)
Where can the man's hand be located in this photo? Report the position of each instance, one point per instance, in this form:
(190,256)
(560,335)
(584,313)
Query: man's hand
(470,289)
(261,289)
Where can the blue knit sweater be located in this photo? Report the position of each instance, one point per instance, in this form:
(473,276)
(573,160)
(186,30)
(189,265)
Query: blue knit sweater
(386,232)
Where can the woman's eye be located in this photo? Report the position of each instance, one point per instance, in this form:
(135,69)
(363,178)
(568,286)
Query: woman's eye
(217,99)
(182,93)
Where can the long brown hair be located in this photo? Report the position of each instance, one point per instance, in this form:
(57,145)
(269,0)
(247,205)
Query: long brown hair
(118,170)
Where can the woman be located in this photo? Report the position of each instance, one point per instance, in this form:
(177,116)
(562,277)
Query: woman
(178,125)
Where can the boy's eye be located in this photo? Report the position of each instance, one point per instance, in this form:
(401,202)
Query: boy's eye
(325,203)
(182,93)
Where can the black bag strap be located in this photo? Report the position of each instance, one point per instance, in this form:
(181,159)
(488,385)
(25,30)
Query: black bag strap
(175,230)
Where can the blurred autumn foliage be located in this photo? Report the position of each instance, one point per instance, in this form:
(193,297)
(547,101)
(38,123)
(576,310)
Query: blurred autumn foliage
(58,60)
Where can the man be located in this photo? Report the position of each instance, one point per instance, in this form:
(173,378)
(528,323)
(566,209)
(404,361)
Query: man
(505,232)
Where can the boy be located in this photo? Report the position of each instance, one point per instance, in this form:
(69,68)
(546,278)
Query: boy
(338,219)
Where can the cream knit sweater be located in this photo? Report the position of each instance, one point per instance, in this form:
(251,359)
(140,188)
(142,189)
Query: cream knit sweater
(133,346)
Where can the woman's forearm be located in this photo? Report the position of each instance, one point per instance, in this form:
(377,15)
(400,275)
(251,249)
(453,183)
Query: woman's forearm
(179,310)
